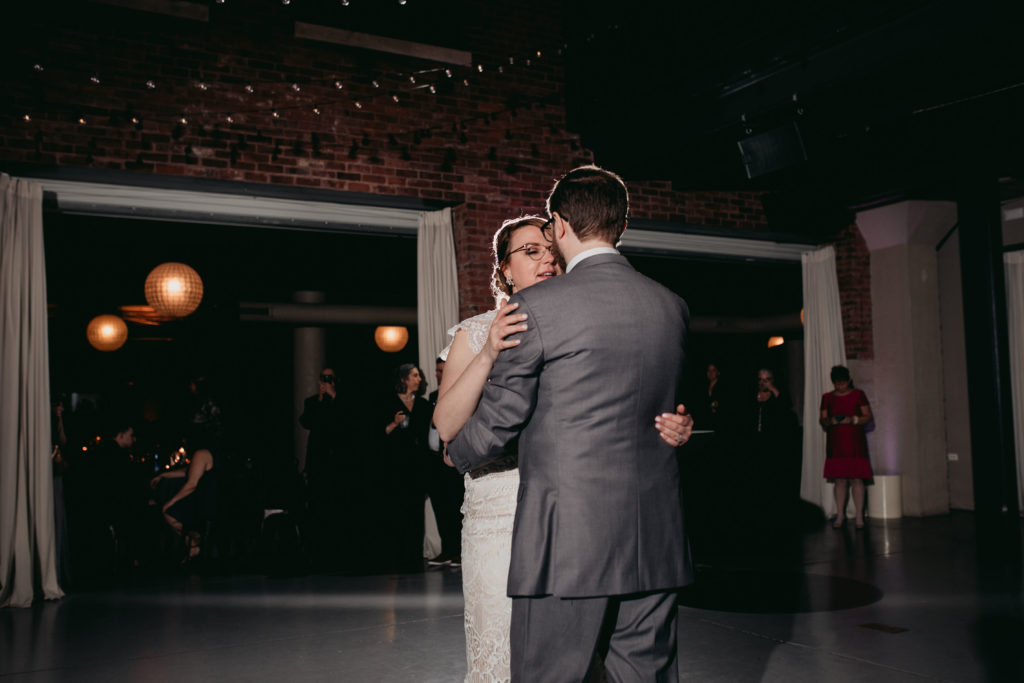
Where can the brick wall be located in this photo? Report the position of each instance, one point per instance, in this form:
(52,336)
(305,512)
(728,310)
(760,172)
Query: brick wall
(853,270)
(491,150)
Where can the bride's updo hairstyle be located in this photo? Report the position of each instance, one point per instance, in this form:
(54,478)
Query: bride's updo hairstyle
(499,248)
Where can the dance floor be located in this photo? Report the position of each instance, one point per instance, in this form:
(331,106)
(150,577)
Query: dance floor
(903,600)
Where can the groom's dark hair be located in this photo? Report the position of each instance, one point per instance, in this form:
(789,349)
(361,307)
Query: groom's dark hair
(593,200)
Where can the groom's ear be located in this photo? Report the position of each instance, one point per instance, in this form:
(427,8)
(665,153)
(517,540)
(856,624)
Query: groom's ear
(560,224)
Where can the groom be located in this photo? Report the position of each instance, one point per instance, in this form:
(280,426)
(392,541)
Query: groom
(598,546)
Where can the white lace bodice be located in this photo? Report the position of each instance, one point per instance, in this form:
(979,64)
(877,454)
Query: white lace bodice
(476,329)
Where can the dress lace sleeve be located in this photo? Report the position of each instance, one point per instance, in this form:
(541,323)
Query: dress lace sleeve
(476,329)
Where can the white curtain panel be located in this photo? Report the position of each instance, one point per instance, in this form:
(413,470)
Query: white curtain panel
(823,348)
(27,547)
(437,287)
(1013,265)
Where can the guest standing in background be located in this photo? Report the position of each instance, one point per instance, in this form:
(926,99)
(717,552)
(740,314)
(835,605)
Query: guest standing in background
(446,492)
(405,418)
(205,414)
(323,416)
(844,412)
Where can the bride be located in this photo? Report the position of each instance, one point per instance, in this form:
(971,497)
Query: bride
(522,258)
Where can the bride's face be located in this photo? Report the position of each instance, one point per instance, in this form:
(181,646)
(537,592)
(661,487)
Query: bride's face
(530,258)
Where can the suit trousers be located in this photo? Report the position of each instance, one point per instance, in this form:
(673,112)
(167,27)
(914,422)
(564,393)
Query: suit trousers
(557,640)
(446,491)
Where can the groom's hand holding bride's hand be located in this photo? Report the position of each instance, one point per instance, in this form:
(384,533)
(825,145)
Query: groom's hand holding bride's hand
(505,324)
(675,428)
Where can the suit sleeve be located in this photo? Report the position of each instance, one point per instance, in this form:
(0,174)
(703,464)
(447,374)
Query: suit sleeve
(506,404)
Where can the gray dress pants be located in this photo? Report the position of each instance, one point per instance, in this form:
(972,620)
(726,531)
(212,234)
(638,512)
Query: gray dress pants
(556,640)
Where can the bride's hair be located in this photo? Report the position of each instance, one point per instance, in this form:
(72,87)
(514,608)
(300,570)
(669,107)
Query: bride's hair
(499,249)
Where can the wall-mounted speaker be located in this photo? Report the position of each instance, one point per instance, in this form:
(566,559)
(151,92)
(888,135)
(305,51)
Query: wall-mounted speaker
(772,150)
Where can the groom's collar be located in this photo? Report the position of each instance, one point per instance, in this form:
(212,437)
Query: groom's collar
(587,254)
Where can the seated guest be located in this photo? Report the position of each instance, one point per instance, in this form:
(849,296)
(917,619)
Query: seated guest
(189,509)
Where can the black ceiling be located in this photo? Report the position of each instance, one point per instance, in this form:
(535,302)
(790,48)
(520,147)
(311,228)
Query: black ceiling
(890,100)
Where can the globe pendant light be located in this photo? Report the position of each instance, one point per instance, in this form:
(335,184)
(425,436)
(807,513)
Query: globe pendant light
(174,289)
(391,339)
(107,332)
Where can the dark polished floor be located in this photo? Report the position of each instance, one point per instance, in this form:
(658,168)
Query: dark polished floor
(904,600)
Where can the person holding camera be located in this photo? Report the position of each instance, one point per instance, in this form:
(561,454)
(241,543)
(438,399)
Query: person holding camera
(844,412)
(323,415)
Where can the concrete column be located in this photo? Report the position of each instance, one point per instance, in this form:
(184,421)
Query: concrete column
(310,354)
(908,388)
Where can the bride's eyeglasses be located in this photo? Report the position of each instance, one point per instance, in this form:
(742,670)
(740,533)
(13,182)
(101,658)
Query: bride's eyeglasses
(534,251)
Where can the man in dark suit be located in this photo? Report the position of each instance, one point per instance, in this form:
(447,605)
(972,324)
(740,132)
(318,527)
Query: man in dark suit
(446,492)
(327,478)
(598,548)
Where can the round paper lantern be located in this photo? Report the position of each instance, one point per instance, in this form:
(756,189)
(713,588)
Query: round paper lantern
(391,339)
(174,289)
(107,332)
(775,341)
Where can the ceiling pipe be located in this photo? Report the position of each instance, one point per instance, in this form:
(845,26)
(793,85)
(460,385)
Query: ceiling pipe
(773,324)
(325,314)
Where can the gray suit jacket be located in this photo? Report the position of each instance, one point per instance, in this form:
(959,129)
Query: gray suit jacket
(599,511)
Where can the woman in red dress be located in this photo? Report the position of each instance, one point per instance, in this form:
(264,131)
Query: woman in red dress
(844,412)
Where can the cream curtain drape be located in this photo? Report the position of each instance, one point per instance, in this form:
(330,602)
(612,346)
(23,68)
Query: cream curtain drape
(1013,266)
(27,547)
(823,348)
(437,297)
(437,310)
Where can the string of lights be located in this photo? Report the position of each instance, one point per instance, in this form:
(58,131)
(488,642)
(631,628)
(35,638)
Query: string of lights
(257,104)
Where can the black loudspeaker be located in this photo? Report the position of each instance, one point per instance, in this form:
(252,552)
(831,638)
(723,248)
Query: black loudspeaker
(772,150)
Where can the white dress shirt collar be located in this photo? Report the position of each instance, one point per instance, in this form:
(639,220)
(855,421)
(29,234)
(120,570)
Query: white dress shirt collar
(588,253)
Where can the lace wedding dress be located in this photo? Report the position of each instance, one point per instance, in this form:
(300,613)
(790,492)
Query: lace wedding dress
(488,510)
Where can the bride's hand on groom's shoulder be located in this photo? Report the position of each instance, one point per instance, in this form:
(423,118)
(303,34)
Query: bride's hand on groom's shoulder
(507,322)
(675,428)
